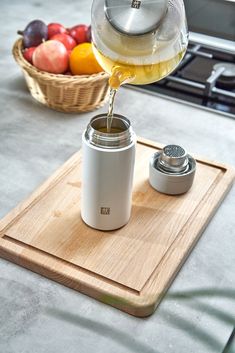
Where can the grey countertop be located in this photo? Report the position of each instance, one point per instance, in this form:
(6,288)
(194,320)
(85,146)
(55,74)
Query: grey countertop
(38,315)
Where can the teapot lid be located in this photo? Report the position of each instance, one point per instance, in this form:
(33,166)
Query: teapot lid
(135,17)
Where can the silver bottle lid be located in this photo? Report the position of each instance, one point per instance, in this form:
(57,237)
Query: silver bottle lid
(173,159)
(135,17)
(172,170)
(96,135)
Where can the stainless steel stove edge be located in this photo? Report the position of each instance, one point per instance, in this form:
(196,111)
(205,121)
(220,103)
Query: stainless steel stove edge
(212,42)
(218,112)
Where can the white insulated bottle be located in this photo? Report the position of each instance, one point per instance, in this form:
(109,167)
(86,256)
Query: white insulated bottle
(107,173)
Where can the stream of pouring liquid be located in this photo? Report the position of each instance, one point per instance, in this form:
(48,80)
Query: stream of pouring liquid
(112,95)
(118,77)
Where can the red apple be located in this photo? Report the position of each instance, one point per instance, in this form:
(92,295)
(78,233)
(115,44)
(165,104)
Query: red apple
(55,28)
(88,34)
(79,33)
(28,54)
(51,56)
(65,39)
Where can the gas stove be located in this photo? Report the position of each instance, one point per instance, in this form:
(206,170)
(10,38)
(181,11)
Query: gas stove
(206,75)
(205,78)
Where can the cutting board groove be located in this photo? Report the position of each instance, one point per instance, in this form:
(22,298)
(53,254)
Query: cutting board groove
(130,268)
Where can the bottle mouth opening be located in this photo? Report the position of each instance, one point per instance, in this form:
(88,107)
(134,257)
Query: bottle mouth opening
(121,134)
(119,124)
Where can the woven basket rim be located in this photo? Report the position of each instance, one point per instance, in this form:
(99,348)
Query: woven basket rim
(34,72)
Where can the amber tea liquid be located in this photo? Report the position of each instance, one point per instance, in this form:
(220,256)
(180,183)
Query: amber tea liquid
(121,73)
(136,74)
(113,130)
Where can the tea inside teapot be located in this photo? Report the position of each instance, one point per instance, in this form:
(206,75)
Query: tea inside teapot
(138,42)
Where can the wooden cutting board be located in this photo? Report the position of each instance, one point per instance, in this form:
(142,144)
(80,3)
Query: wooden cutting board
(130,268)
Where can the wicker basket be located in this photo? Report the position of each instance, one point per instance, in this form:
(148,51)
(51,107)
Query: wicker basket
(61,92)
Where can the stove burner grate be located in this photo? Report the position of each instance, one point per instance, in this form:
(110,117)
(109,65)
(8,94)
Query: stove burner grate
(227,77)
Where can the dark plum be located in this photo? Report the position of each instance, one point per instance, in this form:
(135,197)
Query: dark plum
(34,33)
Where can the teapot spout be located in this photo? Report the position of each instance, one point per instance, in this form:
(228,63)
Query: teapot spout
(119,76)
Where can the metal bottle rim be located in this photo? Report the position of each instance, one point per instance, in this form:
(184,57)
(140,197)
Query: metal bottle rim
(109,140)
(174,174)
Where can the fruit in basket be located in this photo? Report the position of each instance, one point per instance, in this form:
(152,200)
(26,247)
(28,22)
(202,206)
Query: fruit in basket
(34,33)
(79,33)
(65,39)
(55,28)
(82,60)
(51,56)
(28,54)
(88,34)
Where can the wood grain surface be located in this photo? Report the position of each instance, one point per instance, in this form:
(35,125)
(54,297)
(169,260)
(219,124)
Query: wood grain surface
(130,268)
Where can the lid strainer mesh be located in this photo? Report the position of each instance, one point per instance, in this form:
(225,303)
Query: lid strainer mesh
(174,151)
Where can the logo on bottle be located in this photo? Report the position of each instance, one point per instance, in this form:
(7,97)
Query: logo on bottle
(136,4)
(105,211)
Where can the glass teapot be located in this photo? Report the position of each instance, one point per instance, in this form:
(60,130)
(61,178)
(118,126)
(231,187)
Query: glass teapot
(138,41)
